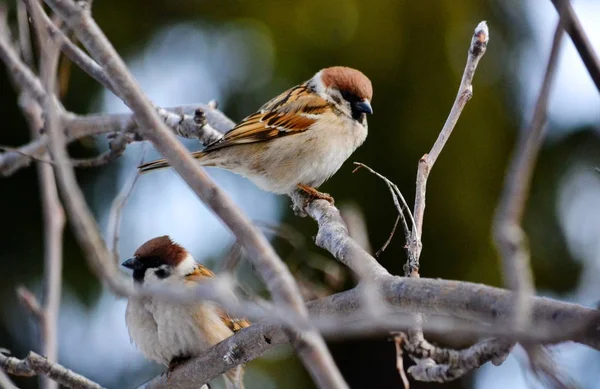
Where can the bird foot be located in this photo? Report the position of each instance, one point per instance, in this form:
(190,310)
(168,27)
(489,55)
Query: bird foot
(315,194)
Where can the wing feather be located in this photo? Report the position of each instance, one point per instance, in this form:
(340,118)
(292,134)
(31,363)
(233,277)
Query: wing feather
(292,112)
(199,274)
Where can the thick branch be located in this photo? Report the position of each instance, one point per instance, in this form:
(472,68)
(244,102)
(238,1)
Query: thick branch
(333,236)
(553,321)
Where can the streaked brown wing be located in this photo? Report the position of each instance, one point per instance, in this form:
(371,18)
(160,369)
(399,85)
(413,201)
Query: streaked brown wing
(235,324)
(292,112)
(199,274)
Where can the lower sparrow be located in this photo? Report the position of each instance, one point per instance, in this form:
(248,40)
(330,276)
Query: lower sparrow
(171,333)
(298,139)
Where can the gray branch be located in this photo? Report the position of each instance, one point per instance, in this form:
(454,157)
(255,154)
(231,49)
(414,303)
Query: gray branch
(277,277)
(510,238)
(552,322)
(34,364)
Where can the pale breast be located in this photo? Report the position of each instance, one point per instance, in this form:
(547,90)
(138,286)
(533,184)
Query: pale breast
(182,331)
(143,330)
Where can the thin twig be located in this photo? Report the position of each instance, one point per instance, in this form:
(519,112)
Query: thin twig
(34,364)
(396,194)
(29,301)
(476,50)
(509,236)
(114,217)
(398,343)
(389,239)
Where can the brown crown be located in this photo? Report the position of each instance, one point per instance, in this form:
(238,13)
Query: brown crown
(348,80)
(163,249)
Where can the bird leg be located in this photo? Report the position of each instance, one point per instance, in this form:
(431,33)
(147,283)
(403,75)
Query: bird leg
(315,194)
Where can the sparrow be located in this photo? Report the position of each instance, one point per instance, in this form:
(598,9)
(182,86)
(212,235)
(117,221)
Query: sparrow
(170,333)
(298,139)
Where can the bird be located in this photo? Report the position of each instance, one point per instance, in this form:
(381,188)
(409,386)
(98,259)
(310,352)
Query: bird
(297,140)
(171,333)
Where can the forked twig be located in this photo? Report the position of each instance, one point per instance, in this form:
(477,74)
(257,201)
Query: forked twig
(401,208)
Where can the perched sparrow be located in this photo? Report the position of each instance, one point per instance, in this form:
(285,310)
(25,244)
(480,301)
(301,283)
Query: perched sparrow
(171,333)
(298,139)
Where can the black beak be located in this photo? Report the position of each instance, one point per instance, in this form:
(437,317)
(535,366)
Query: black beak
(364,106)
(132,263)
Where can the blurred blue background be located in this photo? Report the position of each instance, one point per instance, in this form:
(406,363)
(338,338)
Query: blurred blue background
(242,53)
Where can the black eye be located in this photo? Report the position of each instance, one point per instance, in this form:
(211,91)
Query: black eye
(162,273)
(350,97)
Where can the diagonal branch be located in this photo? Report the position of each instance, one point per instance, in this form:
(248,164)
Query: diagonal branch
(579,38)
(508,232)
(34,364)
(275,274)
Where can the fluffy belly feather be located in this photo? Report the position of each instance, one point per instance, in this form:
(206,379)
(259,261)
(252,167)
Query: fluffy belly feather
(163,331)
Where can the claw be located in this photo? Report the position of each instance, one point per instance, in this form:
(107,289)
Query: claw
(315,194)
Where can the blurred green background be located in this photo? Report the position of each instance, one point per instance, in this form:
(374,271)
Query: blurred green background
(243,53)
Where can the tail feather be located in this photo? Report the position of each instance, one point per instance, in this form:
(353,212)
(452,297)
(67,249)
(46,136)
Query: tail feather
(153,165)
(162,163)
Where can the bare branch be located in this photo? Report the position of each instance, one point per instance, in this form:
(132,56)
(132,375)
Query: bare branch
(476,50)
(333,236)
(398,343)
(24,35)
(71,50)
(185,120)
(443,365)
(35,364)
(277,277)
(28,299)
(116,148)
(114,217)
(401,208)
(509,236)
(23,77)
(579,38)
(5,382)
(553,321)
(357,227)
(53,214)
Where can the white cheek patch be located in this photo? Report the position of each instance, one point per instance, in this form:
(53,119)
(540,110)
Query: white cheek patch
(150,277)
(186,266)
